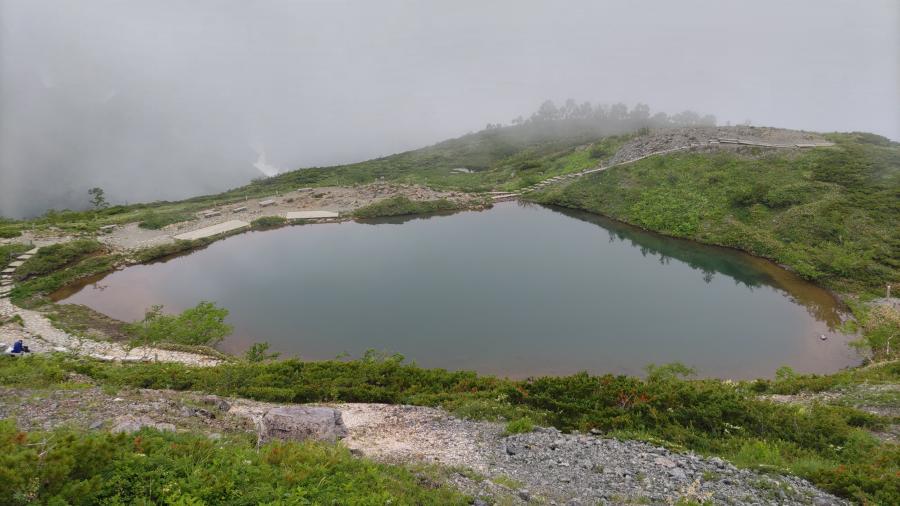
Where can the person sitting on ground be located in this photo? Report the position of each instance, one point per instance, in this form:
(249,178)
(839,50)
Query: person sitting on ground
(18,348)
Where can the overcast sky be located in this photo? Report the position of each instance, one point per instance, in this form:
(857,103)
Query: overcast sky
(163,99)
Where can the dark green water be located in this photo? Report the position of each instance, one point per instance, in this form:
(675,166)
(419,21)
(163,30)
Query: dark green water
(516,290)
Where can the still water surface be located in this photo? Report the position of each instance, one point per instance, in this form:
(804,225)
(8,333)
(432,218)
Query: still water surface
(517,290)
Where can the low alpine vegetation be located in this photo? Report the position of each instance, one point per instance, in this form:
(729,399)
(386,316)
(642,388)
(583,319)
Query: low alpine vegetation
(202,325)
(268,222)
(57,256)
(400,205)
(829,213)
(830,444)
(150,467)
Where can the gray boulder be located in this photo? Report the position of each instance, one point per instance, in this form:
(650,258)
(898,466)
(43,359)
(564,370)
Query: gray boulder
(299,423)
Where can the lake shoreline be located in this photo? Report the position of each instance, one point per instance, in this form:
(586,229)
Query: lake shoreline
(785,283)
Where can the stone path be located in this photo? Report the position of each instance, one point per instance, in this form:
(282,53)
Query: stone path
(213,230)
(42,337)
(6,280)
(311,215)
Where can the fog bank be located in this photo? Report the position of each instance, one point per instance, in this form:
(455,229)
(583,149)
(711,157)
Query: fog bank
(167,99)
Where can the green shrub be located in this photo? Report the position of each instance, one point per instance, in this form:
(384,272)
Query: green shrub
(10,232)
(824,442)
(30,371)
(756,453)
(57,256)
(676,211)
(165,250)
(268,222)
(400,205)
(202,325)
(8,253)
(881,332)
(259,352)
(155,220)
(519,426)
(28,293)
(67,467)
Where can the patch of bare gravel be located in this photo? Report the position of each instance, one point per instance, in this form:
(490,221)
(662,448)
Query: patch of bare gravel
(671,138)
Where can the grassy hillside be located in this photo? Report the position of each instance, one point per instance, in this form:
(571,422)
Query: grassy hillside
(831,214)
(497,158)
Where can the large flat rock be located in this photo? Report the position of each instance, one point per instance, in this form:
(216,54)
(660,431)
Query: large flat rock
(310,215)
(299,423)
(219,228)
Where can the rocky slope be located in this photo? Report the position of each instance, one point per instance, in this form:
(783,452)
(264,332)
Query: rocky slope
(543,466)
(664,139)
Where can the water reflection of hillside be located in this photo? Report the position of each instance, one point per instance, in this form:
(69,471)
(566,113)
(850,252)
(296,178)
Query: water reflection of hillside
(744,269)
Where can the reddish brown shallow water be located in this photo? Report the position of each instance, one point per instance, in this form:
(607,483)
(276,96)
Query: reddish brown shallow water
(516,290)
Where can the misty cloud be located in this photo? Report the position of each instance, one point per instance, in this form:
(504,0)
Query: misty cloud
(167,99)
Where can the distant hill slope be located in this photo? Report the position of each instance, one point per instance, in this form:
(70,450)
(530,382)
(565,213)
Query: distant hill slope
(481,161)
(508,158)
(829,213)
(832,214)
